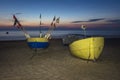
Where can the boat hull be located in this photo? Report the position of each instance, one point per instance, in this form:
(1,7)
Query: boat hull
(88,48)
(37,42)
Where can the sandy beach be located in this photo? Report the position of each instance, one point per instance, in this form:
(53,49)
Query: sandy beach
(56,62)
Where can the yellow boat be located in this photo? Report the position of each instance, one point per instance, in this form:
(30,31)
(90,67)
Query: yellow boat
(87,48)
(38,42)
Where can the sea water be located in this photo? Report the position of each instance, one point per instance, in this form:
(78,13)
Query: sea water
(19,35)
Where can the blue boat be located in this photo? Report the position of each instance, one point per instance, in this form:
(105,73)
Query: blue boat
(37,42)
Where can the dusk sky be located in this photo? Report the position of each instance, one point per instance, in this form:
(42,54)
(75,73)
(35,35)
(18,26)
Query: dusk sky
(72,13)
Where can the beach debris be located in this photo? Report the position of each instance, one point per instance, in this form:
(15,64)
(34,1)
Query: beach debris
(69,38)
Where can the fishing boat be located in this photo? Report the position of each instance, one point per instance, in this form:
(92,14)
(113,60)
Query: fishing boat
(67,39)
(37,42)
(87,48)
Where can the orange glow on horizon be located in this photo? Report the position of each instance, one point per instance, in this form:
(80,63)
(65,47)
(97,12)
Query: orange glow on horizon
(61,24)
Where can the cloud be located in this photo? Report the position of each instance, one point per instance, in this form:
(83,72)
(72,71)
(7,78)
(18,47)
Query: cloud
(90,20)
(94,20)
(114,21)
(77,21)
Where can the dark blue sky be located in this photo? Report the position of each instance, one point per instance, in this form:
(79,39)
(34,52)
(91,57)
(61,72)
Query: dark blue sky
(73,13)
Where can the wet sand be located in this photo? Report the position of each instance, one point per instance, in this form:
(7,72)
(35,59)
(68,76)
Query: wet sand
(56,62)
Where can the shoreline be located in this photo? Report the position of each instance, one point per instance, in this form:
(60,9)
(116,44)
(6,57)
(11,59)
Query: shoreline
(55,39)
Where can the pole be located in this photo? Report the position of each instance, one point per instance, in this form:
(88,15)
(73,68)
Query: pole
(84,31)
(40,27)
